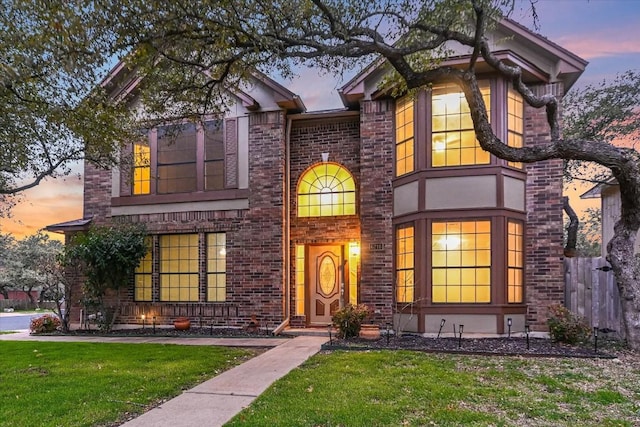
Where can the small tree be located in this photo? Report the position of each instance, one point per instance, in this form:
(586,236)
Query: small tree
(108,257)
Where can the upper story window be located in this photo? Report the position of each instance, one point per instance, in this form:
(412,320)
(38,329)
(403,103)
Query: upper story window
(515,122)
(141,168)
(326,189)
(404,136)
(453,140)
(182,158)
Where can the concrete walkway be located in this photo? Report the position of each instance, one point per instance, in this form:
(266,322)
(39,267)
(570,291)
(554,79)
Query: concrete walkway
(216,401)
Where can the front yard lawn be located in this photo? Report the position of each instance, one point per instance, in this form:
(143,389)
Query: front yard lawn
(400,388)
(88,384)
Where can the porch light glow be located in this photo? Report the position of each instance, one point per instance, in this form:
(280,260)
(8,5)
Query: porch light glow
(354,249)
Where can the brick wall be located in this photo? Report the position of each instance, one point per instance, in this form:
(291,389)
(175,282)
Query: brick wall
(97,193)
(376,207)
(544,267)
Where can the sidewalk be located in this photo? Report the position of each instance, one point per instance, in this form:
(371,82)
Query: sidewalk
(216,401)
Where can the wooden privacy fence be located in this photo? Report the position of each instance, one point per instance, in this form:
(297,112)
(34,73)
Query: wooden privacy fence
(592,293)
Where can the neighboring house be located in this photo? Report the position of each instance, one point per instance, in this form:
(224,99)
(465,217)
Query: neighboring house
(609,194)
(285,215)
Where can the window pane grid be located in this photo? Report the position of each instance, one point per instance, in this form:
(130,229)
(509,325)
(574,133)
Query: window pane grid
(141,169)
(515,122)
(213,156)
(326,190)
(453,141)
(142,286)
(461,262)
(177,159)
(515,261)
(179,267)
(405,264)
(404,136)
(216,267)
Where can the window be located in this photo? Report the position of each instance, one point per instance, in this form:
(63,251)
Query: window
(405,264)
(515,122)
(216,267)
(182,159)
(213,156)
(404,136)
(515,261)
(453,140)
(143,285)
(179,268)
(141,168)
(461,261)
(177,159)
(326,189)
(300,282)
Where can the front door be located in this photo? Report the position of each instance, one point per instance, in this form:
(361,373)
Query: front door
(325,281)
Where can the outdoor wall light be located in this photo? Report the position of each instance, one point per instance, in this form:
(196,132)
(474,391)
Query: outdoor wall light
(354,248)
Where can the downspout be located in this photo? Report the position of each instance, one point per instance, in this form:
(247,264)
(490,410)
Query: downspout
(287,231)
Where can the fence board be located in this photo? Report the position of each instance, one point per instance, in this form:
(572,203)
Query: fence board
(592,293)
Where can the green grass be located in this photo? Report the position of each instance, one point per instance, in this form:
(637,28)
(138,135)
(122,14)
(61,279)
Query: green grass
(385,388)
(8,332)
(87,384)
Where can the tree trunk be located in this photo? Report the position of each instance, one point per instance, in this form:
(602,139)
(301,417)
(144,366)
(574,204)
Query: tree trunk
(572,229)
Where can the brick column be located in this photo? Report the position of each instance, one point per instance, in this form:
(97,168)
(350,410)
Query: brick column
(376,207)
(544,276)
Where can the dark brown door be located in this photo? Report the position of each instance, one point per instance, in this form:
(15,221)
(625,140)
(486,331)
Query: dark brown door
(325,280)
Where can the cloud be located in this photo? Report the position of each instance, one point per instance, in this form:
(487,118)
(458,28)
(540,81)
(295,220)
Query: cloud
(605,43)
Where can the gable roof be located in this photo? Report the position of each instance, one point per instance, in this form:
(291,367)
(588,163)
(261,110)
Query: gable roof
(539,58)
(122,80)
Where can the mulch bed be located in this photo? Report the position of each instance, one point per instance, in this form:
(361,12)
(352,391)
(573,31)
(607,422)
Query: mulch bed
(514,346)
(537,347)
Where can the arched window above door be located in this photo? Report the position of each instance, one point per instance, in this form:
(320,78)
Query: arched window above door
(326,189)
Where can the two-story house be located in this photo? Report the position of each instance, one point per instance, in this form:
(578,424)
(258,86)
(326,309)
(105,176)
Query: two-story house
(285,215)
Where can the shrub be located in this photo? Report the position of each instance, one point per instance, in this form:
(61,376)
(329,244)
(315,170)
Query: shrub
(348,320)
(566,327)
(44,324)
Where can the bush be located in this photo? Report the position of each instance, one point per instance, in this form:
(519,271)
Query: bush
(348,320)
(566,327)
(44,324)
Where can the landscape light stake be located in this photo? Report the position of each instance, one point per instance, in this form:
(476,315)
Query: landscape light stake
(460,335)
(595,339)
(211,329)
(442,322)
(509,323)
(330,337)
(154,325)
(526,331)
(388,330)
(143,317)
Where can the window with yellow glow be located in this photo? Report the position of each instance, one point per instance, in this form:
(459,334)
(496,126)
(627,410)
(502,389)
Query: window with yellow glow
(141,169)
(216,267)
(404,136)
(326,189)
(179,267)
(515,122)
(299,298)
(143,287)
(453,140)
(354,260)
(405,264)
(461,262)
(515,262)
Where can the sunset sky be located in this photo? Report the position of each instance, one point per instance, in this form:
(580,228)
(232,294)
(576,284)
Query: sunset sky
(604,32)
